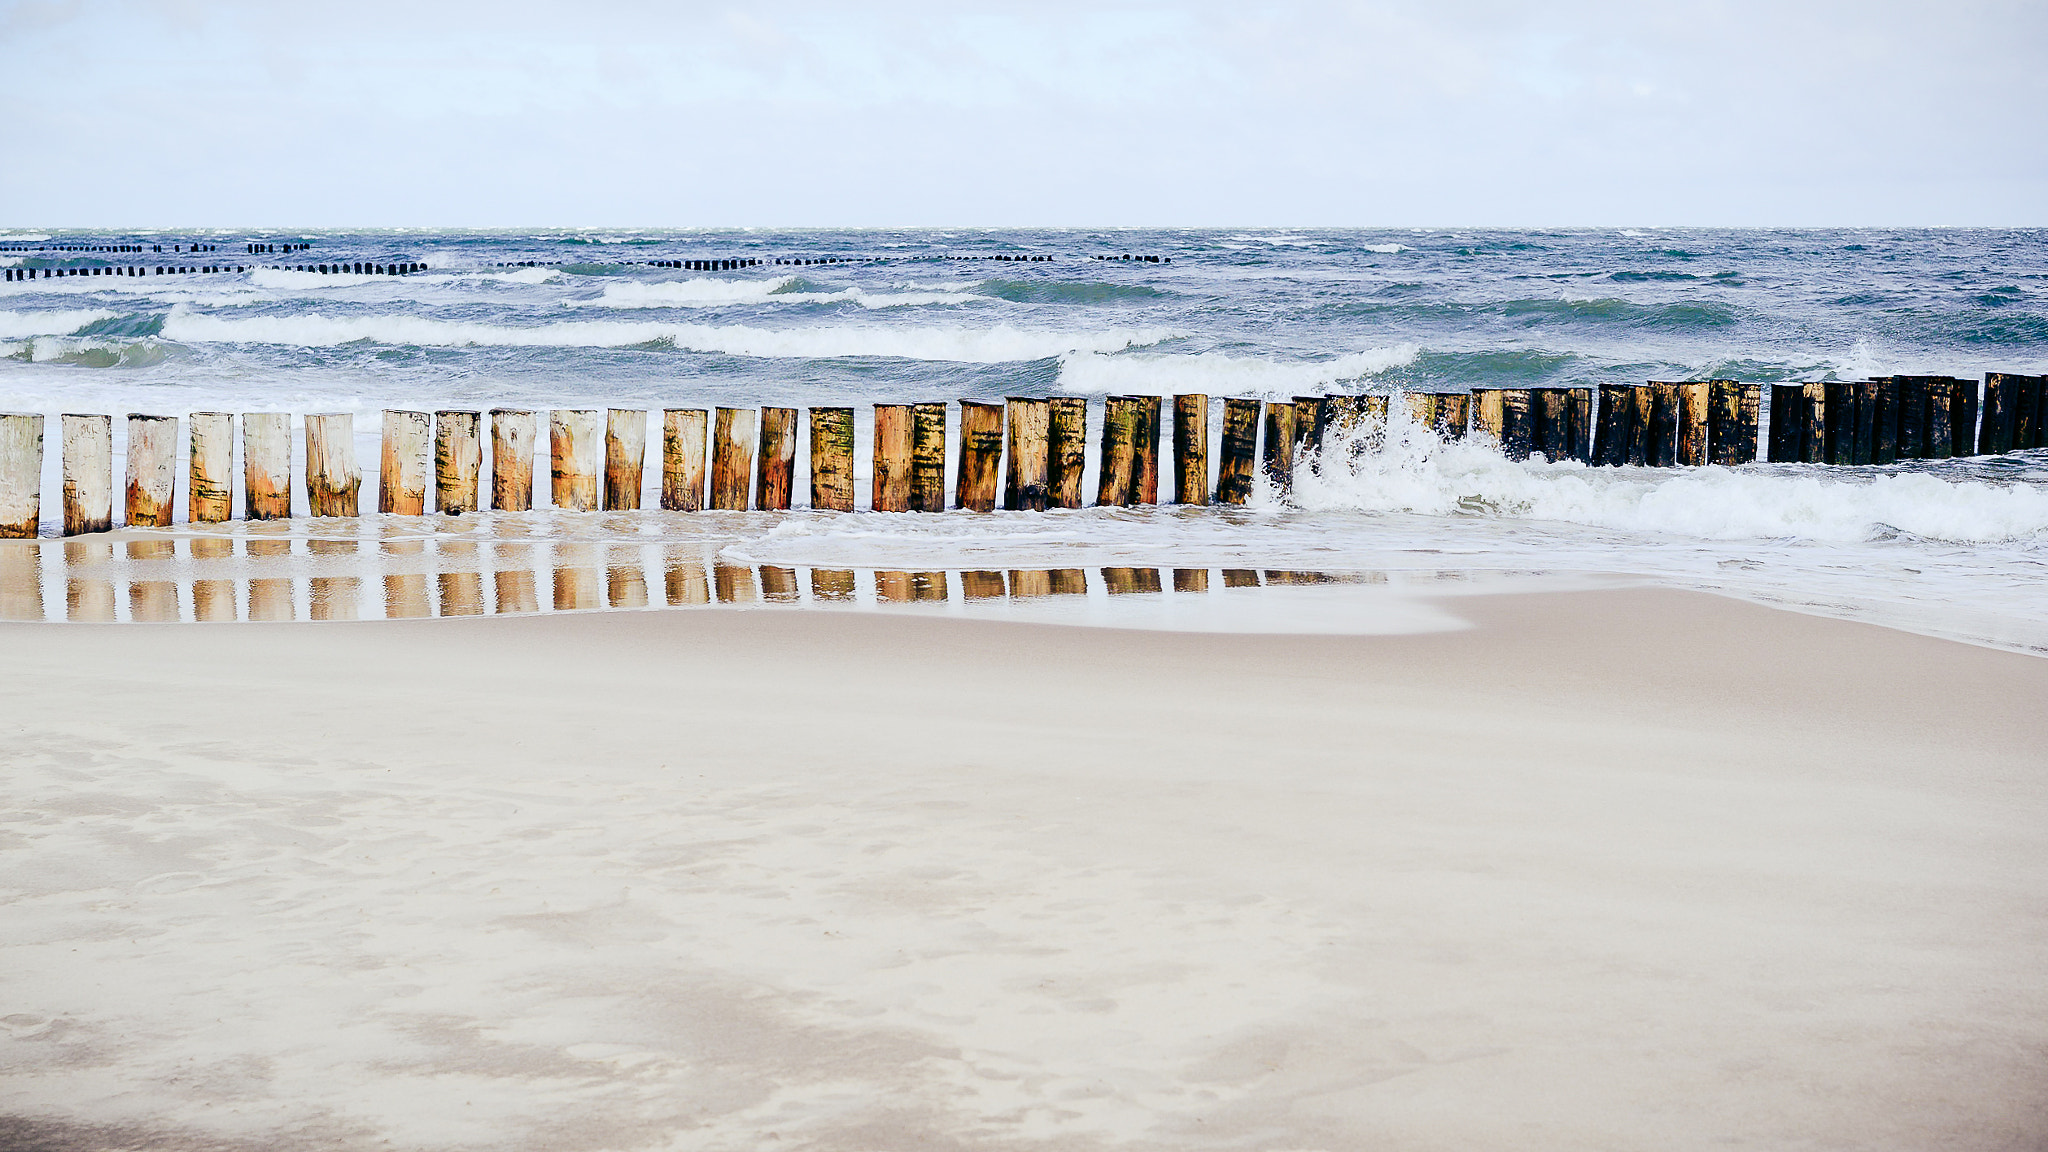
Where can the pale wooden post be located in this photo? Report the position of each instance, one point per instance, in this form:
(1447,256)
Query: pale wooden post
(890,483)
(1491,414)
(210,472)
(625,456)
(513,431)
(1066,450)
(152,470)
(88,447)
(832,459)
(402,476)
(981,456)
(1692,424)
(928,457)
(575,449)
(732,458)
(682,459)
(21,474)
(267,465)
(332,478)
(1026,423)
(775,467)
(458,461)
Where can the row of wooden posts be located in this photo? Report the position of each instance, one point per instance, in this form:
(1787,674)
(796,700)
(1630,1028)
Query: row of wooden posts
(353,268)
(597,457)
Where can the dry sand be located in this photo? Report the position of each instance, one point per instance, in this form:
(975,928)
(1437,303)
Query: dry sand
(1614,870)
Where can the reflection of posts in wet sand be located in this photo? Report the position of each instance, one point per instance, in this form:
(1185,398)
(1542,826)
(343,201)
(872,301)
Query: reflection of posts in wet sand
(512,580)
(155,601)
(576,566)
(461,583)
(1069,582)
(86,598)
(213,600)
(625,585)
(405,593)
(1124,580)
(834,584)
(735,583)
(684,581)
(334,597)
(779,584)
(1240,578)
(892,587)
(981,585)
(928,585)
(1190,579)
(1041,582)
(21,581)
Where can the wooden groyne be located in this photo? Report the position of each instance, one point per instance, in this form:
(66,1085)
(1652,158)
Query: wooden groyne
(1024,454)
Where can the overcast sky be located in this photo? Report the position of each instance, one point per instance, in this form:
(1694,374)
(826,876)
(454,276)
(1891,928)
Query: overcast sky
(1434,112)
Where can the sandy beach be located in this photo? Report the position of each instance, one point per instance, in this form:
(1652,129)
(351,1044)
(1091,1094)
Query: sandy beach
(1618,869)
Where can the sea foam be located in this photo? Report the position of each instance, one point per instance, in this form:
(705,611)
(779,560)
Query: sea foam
(1222,374)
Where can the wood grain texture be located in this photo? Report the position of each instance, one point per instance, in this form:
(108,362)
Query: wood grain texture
(683,433)
(513,433)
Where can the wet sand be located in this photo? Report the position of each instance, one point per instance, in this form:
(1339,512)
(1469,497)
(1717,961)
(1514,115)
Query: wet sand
(1621,869)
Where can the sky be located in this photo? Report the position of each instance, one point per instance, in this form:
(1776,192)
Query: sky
(465,113)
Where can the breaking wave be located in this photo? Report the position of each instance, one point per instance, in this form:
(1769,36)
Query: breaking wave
(1221,374)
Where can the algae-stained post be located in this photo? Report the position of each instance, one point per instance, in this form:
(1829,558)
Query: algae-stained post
(1067,452)
(1237,457)
(1026,423)
(1279,447)
(832,459)
(1191,449)
(1113,471)
(981,456)
(928,457)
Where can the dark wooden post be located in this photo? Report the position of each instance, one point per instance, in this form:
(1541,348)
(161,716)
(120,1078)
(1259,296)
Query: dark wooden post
(1693,409)
(1662,448)
(1962,409)
(1940,421)
(1610,429)
(732,458)
(1191,450)
(1884,448)
(1239,451)
(1786,421)
(1838,425)
(1113,472)
(1749,410)
(1996,437)
(2026,414)
(625,458)
(1066,450)
(1813,407)
(1027,422)
(981,456)
(1517,423)
(1726,419)
(1553,423)
(1145,450)
(682,459)
(832,459)
(928,457)
(889,489)
(1454,412)
(775,465)
(1912,401)
(1279,448)
(1308,425)
(1642,400)
(1863,399)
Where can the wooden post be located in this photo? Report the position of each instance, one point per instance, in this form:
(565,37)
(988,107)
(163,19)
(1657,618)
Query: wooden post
(1962,410)
(21,474)
(267,466)
(1113,472)
(1940,426)
(732,458)
(1375,409)
(832,459)
(1610,426)
(981,456)
(625,458)
(458,463)
(88,447)
(575,448)
(1191,450)
(1421,409)
(1749,409)
(1864,446)
(1066,451)
(1278,458)
(402,480)
(512,443)
(1553,423)
(330,464)
(1454,414)
(1027,422)
(1235,459)
(1145,450)
(1999,410)
(209,474)
(152,470)
(682,458)
(1725,419)
(1694,409)
(1489,413)
(1782,441)
(1837,428)
(1309,424)
(1662,449)
(775,466)
(928,457)
(1913,417)
(2027,420)
(1884,446)
(1813,406)
(894,433)
(1517,423)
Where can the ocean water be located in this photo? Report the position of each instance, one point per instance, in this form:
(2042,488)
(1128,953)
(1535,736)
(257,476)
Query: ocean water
(590,318)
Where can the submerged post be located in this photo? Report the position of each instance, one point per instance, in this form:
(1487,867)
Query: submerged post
(981,456)
(210,470)
(513,431)
(21,474)
(152,470)
(1113,470)
(575,446)
(682,459)
(402,480)
(732,458)
(625,458)
(889,487)
(1191,449)
(1027,421)
(928,457)
(458,461)
(267,466)
(88,463)
(832,459)
(1066,451)
(1238,455)
(775,466)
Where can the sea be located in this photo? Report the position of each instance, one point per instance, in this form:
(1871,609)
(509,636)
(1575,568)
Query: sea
(585,318)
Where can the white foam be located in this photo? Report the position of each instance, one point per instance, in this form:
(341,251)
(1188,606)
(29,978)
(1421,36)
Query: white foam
(1413,471)
(1387,249)
(992,345)
(706,292)
(53,323)
(1222,374)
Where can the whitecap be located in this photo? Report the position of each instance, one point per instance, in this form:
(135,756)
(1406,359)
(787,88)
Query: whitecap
(1222,374)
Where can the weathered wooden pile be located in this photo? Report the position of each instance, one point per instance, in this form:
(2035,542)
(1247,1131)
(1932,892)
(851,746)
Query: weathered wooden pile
(1024,454)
